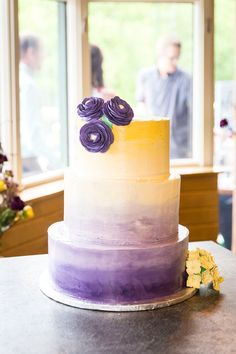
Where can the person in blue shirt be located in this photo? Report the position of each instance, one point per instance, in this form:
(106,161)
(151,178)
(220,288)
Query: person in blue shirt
(165,90)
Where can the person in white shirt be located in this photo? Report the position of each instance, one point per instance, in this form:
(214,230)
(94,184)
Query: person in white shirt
(31,127)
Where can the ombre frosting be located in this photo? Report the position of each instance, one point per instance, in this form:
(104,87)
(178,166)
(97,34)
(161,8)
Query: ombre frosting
(116,275)
(120,242)
(140,150)
(121,211)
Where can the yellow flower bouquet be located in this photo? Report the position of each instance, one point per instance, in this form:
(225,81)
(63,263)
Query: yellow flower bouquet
(12,207)
(202,269)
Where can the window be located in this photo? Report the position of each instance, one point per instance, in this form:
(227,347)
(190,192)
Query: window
(224,107)
(43,86)
(224,153)
(140,51)
(197,55)
(63,40)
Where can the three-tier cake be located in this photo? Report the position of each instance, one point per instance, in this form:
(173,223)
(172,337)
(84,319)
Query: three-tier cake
(120,244)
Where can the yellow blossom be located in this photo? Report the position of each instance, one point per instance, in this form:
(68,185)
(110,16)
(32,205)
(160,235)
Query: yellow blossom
(193,266)
(194,281)
(217,279)
(201,268)
(203,252)
(206,277)
(3,186)
(193,255)
(28,211)
(215,272)
(206,254)
(206,262)
(216,283)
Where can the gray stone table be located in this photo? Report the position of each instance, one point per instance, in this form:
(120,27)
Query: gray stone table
(32,323)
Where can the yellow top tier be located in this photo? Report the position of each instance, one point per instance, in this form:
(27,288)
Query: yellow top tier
(140,150)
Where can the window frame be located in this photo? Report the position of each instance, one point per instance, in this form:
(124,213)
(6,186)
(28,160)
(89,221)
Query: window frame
(9,94)
(78,80)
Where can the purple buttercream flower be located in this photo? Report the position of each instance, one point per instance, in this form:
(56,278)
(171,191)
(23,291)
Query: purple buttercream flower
(17,204)
(224,123)
(118,111)
(96,136)
(91,108)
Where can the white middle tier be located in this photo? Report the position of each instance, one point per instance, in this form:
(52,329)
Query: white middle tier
(123,212)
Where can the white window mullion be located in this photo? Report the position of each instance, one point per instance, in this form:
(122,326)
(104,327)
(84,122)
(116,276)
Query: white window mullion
(9,75)
(77,69)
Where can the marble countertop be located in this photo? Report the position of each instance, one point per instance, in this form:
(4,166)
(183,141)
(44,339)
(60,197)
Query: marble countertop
(32,323)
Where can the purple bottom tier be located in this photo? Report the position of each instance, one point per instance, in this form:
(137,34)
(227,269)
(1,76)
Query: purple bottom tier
(116,275)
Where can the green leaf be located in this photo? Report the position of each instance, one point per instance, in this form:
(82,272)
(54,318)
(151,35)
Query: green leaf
(202,269)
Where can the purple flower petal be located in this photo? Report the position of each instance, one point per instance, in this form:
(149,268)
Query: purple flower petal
(96,136)
(91,108)
(224,123)
(17,204)
(118,111)
(3,158)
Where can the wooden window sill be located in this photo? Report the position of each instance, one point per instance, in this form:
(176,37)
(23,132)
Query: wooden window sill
(195,170)
(52,188)
(45,190)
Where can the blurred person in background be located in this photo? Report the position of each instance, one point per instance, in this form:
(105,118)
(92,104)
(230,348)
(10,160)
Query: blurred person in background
(97,81)
(164,90)
(32,140)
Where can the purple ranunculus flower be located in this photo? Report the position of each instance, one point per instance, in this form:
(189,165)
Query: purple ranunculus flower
(96,136)
(224,123)
(3,158)
(118,111)
(17,203)
(91,108)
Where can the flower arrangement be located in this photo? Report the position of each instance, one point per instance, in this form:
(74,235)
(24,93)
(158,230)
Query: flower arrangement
(202,269)
(224,124)
(96,135)
(12,208)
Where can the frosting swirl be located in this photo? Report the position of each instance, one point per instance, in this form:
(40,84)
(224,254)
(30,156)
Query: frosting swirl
(96,136)
(91,108)
(118,111)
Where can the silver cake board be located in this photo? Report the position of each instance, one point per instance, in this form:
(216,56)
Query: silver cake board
(48,288)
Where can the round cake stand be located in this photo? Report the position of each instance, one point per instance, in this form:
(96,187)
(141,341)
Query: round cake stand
(48,288)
